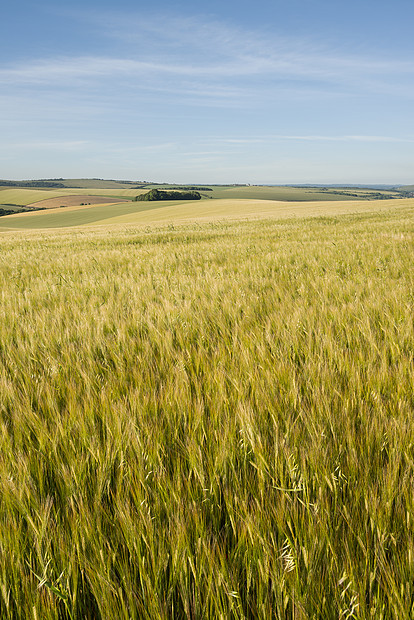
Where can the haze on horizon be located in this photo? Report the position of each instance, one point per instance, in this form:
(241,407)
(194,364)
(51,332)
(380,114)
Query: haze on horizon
(279,92)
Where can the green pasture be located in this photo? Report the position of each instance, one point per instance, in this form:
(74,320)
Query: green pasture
(78,216)
(22,196)
(19,196)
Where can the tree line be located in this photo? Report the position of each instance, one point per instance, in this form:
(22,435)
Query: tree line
(161,194)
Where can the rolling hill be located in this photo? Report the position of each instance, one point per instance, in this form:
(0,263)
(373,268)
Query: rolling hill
(145,213)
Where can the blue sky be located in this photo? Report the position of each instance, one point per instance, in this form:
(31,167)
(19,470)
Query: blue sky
(298,91)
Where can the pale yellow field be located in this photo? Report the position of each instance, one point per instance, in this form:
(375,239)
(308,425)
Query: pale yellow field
(241,208)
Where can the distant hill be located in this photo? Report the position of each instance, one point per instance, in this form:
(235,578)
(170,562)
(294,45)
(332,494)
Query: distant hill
(38,183)
(98,183)
(342,186)
(73,183)
(101,183)
(28,194)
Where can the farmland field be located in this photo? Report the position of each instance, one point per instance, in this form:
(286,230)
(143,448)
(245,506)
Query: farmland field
(75,216)
(22,196)
(210,419)
(293,193)
(224,209)
(32,196)
(174,212)
(72,200)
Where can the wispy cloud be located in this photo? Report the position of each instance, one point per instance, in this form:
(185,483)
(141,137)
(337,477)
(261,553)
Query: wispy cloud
(158,52)
(311,138)
(179,91)
(349,138)
(285,65)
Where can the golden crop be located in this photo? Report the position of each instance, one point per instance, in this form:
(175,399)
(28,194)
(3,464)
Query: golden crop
(208,421)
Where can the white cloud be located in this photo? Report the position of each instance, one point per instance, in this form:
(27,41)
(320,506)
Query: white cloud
(311,138)
(284,65)
(155,49)
(178,92)
(346,138)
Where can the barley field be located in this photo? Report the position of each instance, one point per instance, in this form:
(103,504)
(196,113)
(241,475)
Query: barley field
(211,419)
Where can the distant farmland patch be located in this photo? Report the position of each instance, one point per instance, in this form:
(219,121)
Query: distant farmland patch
(72,201)
(23,197)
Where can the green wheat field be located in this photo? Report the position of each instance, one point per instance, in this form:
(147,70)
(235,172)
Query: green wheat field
(208,419)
